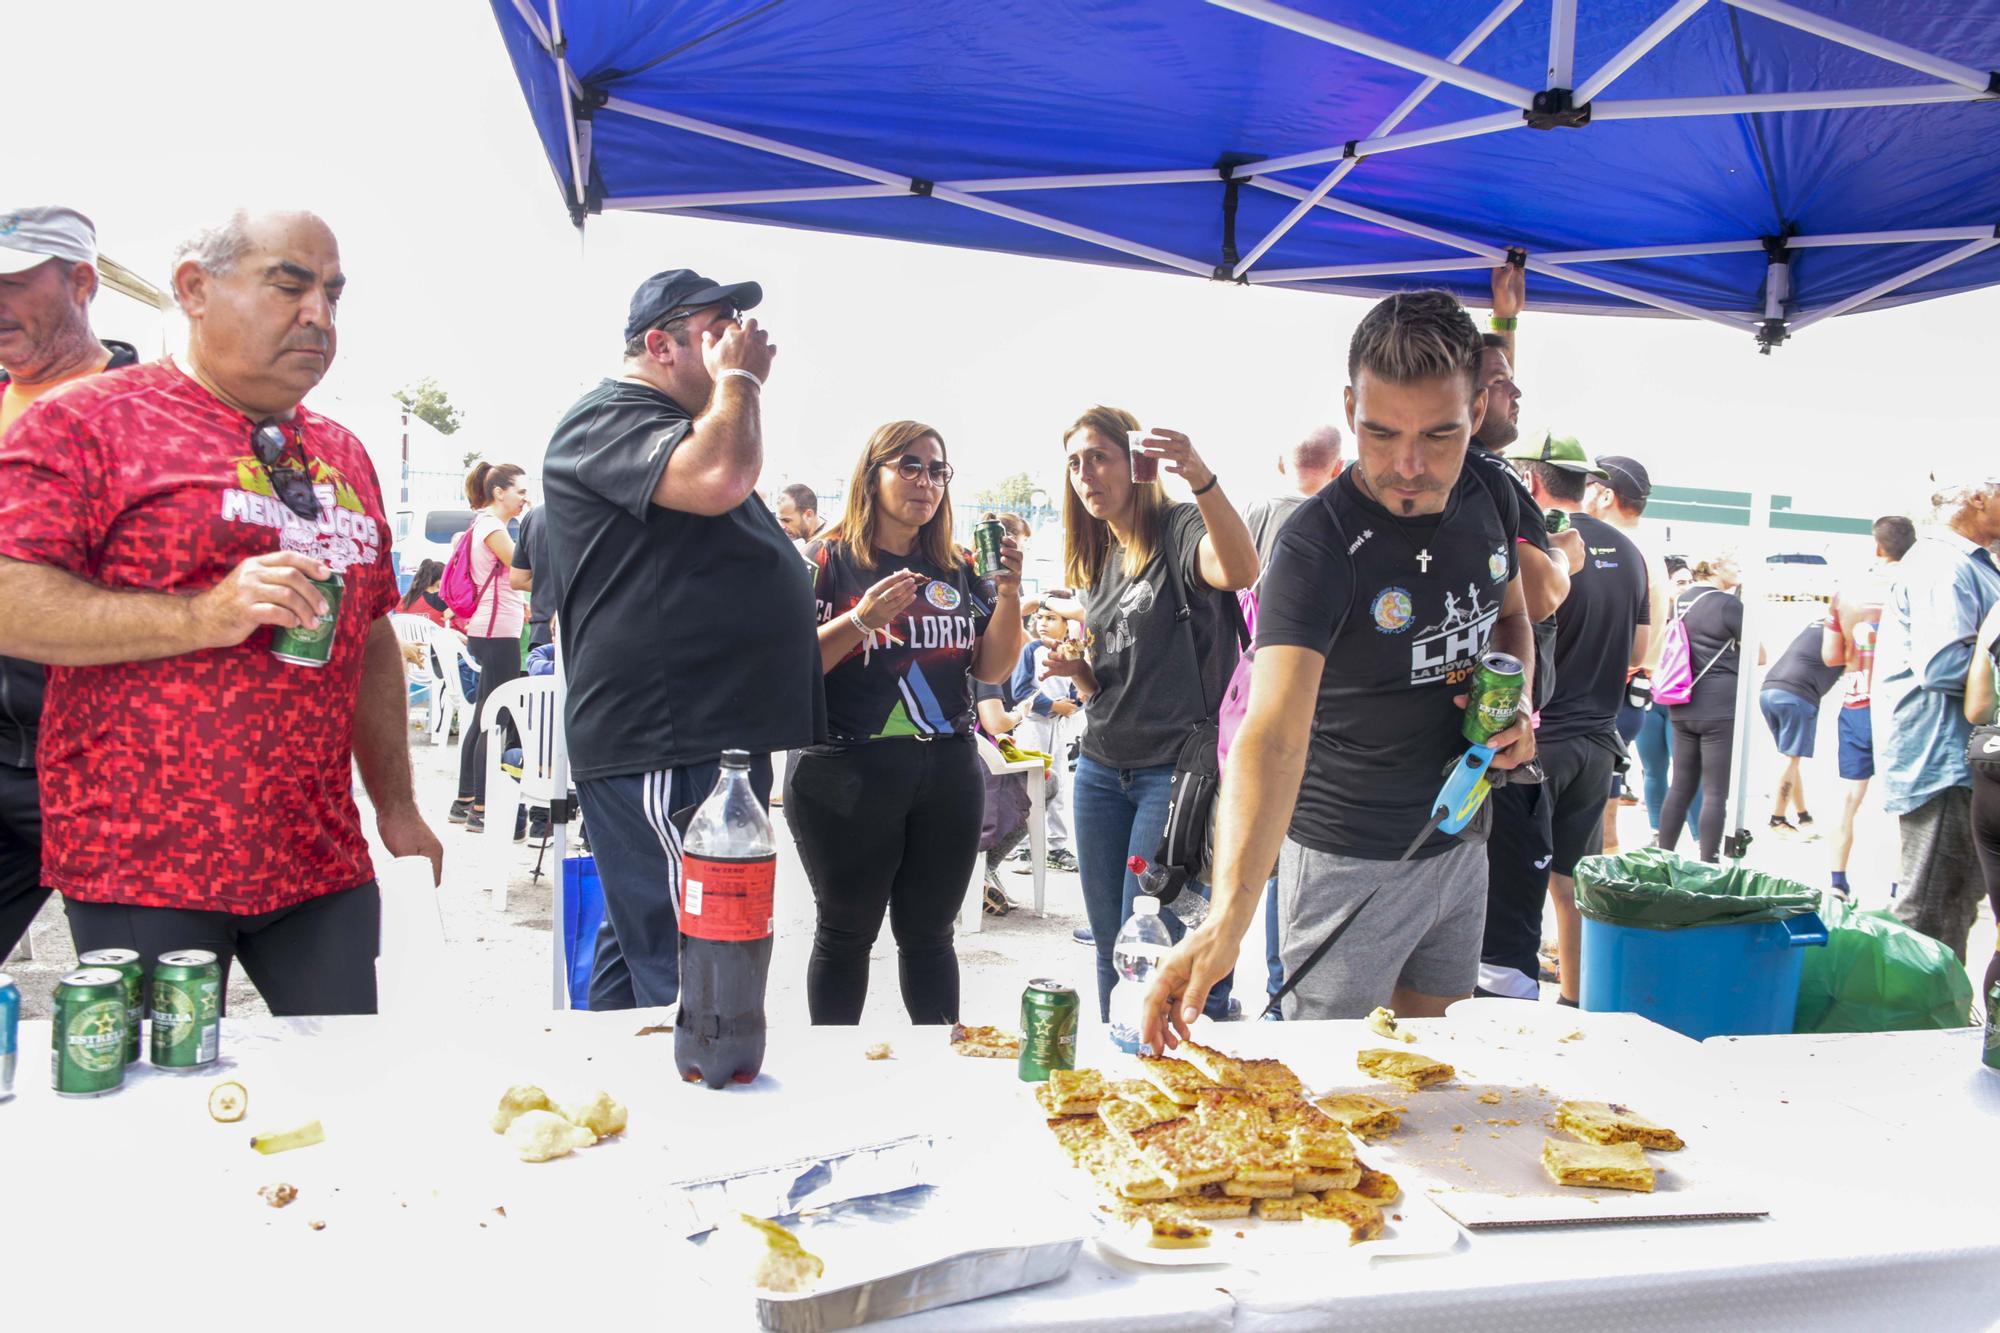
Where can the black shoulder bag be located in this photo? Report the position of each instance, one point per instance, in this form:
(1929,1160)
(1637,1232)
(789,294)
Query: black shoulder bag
(1184,847)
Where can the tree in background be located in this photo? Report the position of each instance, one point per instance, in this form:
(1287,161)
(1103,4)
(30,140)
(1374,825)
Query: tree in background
(429,403)
(1015,492)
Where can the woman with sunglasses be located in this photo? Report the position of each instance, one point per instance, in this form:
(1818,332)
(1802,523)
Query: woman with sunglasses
(493,632)
(1150,677)
(887,814)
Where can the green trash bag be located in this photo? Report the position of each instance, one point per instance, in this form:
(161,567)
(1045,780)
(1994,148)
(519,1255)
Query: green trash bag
(1657,890)
(1877,975)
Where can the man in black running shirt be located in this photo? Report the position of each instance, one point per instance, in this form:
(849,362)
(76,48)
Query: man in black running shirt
(1382,594)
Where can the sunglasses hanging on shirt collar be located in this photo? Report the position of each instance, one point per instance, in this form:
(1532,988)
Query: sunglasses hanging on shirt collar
(290,484)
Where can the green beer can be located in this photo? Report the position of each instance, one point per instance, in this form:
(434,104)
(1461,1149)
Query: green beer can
(125,962)
(187,1009)
(1555,520)
(1991,1056)
(986,538)
(1493,697)
(1049,1015)
(87,1055)
(312,644)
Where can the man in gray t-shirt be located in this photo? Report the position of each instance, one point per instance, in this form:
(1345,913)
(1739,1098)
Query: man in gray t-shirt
(1306,467)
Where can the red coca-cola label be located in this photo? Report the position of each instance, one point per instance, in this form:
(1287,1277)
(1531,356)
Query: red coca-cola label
(726,898)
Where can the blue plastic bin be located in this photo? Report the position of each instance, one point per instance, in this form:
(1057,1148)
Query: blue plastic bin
(583,913)
(1702,981)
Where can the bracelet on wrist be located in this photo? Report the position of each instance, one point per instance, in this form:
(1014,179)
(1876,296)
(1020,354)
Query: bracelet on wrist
(738,373)
(1206,486)
(1505,323)
(854,616)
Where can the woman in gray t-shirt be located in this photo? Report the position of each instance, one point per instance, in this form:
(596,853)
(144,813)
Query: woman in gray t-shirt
(1146,678)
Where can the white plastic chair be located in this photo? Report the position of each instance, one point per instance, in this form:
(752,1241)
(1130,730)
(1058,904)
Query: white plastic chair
(534,706)
(971,917)
(448,702)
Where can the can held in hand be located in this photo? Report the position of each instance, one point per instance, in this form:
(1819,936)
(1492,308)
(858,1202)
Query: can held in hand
(986,538)
(1991,1057)
(1049,1016)
(87,1055)
(10,1033)
(187,1009)
(125,962)
(311,645)
(1555,520)
(1493,697)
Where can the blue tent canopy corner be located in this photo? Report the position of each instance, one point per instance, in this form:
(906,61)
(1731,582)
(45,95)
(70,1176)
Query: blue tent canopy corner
(1758,164)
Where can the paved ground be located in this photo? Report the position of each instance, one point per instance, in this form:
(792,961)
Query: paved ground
(502,957)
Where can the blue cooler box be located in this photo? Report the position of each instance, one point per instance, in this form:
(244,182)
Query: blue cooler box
(1702,981)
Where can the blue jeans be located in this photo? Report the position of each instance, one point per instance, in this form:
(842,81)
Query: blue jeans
(1121,813)
(1656,752)
(1274,966)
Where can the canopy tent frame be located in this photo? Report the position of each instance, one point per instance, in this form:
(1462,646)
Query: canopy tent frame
(1772,315)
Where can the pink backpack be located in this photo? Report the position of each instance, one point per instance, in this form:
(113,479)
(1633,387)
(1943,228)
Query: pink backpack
(1674,682)
(458,590)
(1236,696)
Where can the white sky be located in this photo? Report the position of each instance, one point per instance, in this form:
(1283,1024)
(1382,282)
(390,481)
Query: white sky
(402,125)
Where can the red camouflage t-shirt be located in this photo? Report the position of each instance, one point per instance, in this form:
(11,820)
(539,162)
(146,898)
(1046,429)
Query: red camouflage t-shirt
(217,780)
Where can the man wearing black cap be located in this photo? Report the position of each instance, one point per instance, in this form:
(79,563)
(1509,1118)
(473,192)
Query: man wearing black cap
(686,627)
(1602,630)
(1619,499)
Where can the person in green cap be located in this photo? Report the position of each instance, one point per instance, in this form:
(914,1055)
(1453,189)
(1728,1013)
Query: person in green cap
(1602,629)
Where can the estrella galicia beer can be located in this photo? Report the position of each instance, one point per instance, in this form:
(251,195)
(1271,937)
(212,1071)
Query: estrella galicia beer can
(986,538)
(187,1009)
(10,1033)
(1049,1015)
(1493,697)
(125,962)
(1555,520)
(1991,1056)
(312,644)
(87,1055)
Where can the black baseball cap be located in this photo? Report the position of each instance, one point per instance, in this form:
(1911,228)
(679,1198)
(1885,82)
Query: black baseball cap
(683,289)
(1627,477)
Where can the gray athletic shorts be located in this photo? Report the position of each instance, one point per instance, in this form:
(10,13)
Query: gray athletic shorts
(1421,932)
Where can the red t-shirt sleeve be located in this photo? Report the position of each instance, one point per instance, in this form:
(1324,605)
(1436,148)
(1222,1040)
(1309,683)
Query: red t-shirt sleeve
(51,490)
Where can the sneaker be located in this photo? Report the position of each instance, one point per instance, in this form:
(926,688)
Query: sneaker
(996,901)
(1082,935)
(1021,853)
(475,821)
(460,810)
(1780,824)
(1062,859)
(1806,827)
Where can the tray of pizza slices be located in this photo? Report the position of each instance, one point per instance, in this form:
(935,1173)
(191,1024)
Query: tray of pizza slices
(1207,1158)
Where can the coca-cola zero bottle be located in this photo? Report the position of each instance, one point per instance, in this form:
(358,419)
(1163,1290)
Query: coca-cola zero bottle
(728,866)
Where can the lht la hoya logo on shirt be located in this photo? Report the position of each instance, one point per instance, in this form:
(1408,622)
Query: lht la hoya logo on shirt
(1444,651)
(941,595)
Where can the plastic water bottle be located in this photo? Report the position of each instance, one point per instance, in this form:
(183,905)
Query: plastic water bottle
(1142,942)
(1188,907)
(729,865)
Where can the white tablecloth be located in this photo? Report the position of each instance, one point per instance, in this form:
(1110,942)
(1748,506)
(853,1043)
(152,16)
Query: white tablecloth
(1874,1155)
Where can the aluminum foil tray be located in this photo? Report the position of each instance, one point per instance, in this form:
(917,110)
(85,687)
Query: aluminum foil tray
(901,1225)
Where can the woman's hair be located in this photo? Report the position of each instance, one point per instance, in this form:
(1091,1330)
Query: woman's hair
(429,572)
(486,478)
(1017,527)
(857,525)
(1710,565)
(1087,540)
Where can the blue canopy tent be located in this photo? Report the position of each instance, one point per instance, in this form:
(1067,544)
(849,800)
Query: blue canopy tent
(1759,164)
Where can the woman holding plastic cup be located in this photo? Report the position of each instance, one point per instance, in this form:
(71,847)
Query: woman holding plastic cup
(1150,676)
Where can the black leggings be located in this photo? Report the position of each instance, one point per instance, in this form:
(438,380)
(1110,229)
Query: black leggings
(891,826)
(1986,838)
(1704,751)
(499,662)
(316,957)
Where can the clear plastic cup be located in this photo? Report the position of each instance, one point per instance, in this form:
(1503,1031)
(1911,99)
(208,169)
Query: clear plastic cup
(1145,466)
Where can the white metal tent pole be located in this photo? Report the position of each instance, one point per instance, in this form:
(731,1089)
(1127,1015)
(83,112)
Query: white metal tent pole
(741,198)
(1835,31)
(997,184)
(1351,39)
(881,177)
(1562,44)
(1274,275)
(1658,31)
(568,103)
(1888,285)
(1389,122)
(559,830)
(1758,616)
(1649,252)
(1914,236)
(1830,99)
